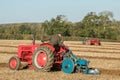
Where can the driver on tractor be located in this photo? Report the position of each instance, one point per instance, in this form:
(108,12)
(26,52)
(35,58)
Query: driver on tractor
(54,40)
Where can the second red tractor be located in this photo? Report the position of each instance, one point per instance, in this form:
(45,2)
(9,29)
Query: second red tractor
(92,41)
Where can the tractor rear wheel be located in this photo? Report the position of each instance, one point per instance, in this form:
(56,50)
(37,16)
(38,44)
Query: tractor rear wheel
(43,59)
(14,63)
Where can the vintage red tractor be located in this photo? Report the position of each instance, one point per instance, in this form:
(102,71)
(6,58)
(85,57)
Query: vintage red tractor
(41,57)
(45,57)
(93,41)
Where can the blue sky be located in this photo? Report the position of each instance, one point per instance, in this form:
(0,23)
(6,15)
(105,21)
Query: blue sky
(18,11)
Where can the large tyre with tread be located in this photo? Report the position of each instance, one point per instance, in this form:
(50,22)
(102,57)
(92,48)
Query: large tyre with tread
(43,59)
(14,63)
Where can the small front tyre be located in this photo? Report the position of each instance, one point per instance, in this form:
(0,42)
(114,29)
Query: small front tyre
(14,63)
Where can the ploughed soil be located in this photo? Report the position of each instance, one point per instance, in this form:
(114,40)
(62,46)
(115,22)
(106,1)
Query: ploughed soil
(105,58)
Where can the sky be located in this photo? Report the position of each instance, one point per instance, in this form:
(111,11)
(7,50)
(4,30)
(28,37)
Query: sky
(22,11)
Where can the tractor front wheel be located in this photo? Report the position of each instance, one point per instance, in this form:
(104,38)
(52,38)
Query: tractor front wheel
(43,59)
(14,63)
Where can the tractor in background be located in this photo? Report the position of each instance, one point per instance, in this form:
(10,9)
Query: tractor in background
(92,41)
(45,57)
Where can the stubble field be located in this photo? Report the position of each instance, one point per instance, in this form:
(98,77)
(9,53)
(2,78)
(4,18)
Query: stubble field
(106,58)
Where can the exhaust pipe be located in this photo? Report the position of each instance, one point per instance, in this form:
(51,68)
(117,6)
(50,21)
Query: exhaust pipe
(33,42)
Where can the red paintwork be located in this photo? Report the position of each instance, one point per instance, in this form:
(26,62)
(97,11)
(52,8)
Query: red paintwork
(13,63)
(25,53)
(42,59)
(48,45)
(95,41)
(59,57)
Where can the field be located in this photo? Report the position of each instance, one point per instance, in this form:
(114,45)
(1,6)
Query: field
(106,58)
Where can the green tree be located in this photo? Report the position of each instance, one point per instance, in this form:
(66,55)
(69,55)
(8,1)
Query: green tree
(57,25)
(24,29)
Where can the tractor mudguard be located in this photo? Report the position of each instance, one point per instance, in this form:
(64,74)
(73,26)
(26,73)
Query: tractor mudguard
(48,45)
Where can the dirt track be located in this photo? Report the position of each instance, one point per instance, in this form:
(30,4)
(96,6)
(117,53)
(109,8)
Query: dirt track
(106,58)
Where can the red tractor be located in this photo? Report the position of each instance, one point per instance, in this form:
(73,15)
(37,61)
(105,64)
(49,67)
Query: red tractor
(41,57)
(92,41)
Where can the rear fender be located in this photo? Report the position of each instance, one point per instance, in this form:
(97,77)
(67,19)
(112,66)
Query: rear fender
(48,45)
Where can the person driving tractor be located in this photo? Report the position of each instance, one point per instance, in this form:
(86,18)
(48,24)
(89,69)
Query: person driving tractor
(55,40)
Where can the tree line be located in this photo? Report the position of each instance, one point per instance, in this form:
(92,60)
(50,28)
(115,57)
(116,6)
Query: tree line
(101,25)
